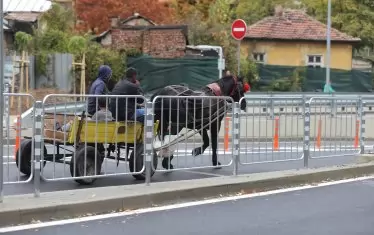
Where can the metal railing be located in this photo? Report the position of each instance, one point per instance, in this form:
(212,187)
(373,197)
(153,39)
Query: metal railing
(335,133)
(192,121)
(12,146)
(63,144)
(85,148)
(272,136)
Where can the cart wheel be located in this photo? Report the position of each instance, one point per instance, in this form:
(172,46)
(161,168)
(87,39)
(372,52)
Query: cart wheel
(136,162)
(23,157)
(79,167)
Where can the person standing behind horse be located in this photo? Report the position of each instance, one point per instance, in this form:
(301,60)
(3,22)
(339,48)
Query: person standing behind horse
(126,108)
(98,87)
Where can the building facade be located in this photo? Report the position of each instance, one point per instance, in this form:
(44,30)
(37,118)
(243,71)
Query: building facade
(292,38)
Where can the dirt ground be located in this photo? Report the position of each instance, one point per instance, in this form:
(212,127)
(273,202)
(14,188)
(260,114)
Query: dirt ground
(23,103)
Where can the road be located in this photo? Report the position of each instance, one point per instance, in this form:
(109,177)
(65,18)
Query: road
(346,208)
(260,153)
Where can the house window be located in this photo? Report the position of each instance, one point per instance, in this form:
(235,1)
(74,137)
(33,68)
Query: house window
(314,61)
(259,57)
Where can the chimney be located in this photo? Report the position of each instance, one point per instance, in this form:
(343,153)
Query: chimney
(114,21)
(278,11)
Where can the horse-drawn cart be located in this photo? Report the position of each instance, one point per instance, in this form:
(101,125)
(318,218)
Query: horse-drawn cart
(90,143)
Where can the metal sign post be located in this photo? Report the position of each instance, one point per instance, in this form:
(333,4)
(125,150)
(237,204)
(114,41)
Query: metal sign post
(238,31)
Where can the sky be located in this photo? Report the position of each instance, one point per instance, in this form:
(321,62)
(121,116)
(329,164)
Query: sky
(26,5)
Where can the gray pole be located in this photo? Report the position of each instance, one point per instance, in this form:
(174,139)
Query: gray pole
(328,53)
(1,97)
(238,57)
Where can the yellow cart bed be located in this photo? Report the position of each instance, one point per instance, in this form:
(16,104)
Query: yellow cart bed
(93,141)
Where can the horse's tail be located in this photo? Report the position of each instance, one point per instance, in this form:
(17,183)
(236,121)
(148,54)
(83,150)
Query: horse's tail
(161,130)
(157,114)
(158,117)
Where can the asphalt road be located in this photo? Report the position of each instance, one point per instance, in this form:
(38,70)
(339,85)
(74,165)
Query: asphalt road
(344,209)
(260,153)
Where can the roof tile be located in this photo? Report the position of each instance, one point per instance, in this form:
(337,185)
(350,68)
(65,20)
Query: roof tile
(294,25)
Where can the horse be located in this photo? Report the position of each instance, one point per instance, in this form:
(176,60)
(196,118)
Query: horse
(196,113)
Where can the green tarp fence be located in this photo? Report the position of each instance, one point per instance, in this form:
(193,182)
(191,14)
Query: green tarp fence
(156,73)
(314,78)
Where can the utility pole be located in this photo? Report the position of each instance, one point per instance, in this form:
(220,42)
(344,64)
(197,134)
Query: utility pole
(2,57)
(328,52)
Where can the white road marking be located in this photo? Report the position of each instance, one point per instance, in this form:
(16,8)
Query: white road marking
(8,157)
(176,206)
(8,160)
(263,150)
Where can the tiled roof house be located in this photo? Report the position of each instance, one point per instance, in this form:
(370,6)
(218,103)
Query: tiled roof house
(295,25)
(301,37)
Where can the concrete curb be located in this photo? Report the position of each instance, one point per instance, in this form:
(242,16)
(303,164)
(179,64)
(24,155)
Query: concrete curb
(74,203)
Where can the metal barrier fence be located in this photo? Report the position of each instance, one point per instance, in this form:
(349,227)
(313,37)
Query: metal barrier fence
(201,115)
(71,145)
(269,133)
(84,148)
(335,133)
(13,133)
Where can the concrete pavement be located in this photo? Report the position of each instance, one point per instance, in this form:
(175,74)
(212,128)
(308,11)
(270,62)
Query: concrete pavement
(345,208)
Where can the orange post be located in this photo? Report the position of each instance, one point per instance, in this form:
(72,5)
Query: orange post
(357,133)
(276,135)
(226,140)
(319,132)
(18,136)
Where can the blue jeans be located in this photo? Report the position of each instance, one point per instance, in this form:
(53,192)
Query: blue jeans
(139,115)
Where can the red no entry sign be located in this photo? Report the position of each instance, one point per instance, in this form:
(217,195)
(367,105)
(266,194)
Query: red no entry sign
(238,29)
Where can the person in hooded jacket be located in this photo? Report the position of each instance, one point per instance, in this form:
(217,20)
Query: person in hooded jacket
(98,87)
(127,108)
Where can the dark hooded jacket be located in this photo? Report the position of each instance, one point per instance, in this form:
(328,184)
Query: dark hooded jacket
(98,87)
(124,108)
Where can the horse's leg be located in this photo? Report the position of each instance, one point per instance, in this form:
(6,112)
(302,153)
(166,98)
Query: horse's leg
(166,161)
(127,152)
(215,127)
(199,150)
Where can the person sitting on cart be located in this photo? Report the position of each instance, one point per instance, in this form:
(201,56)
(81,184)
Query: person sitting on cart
(119,107)
(103,114)
(98,87)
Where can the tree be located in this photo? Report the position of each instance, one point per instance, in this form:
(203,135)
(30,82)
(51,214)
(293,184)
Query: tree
(354,17)
(94,14)
(57,18)
(56,34)
(23,41)
(255,10)
(184,8)
(215,30)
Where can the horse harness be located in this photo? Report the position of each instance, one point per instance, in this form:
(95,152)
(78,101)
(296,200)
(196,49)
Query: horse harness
(216,89)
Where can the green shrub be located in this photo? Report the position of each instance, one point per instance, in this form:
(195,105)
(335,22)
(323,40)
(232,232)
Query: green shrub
(98,55)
